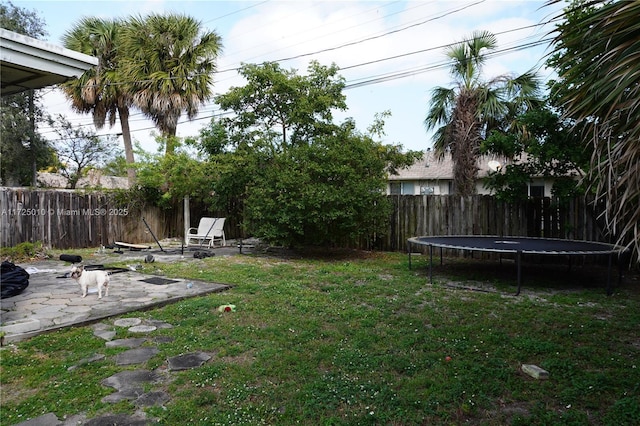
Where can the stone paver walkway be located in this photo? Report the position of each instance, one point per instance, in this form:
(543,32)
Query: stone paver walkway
(129,385)
(52,301)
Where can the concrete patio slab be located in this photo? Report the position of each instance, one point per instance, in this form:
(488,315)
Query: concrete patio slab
(53,301)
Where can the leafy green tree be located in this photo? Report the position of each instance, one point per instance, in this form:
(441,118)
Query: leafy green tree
(232,166)
(325,193)
(463,115)
(282,106)
(22,150)
(298,178)
(100,90)
(276,109)
(550,147)
(116,166)
(164,179)
(597,55)
(170,60)
(21,20)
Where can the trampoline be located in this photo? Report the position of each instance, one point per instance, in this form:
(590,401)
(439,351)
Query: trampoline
(519,246)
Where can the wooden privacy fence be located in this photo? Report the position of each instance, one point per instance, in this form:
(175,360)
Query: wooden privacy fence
(71,219)
(65,219)
(485,215)
(68,219)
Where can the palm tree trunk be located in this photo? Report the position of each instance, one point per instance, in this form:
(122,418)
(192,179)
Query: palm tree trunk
(169,132)
(466,128)
(123,112)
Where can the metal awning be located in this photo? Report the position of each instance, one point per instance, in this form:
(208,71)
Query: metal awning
(27,63)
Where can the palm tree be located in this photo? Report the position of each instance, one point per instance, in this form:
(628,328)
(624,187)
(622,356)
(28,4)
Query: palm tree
(171,62)
(463,115)
(100,90)
(597,54)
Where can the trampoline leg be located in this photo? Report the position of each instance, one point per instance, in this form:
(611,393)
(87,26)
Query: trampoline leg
(621,262)
(441,257)
(518,260)
(609,290)
(409,253)
(430,264)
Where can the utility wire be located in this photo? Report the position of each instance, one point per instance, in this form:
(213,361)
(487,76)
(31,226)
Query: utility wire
(361,82)
(236,11)
(429,49)
(414,71)
(394,75)
(353,43)
(337,31)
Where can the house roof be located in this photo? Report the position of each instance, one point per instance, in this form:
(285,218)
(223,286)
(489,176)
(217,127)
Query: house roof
(27,63)
(431,167)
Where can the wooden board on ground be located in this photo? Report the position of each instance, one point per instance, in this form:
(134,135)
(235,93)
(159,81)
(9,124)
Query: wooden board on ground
(120,244)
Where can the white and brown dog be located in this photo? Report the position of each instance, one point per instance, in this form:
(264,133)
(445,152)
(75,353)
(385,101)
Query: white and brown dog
(87,278)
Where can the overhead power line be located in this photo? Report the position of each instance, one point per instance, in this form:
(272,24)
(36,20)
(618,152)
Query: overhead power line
(430,49)
(353,43)
(334,33)
(376,79)
(445,64)
(370,80)
(236,11)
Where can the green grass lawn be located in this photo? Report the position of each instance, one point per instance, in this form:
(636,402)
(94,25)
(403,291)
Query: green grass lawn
(357,339)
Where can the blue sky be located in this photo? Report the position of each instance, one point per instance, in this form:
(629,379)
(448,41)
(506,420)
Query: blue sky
(373,42)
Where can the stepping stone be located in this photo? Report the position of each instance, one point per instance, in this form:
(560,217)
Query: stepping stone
(101,327)
(187,361)
(130,394)
(127,322)
(126,343)
(130,378)
(152,398)
(117,419)
(48,419)
(129,384)
(164,339)
(94,358)
(142,328)
(160,324)
(105,334)
(136,356)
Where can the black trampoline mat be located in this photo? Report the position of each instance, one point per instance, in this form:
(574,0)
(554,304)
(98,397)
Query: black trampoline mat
(515,244)
(159,281)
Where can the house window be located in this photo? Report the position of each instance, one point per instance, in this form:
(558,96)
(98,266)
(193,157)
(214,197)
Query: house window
(536,190)
(401,188)
(427,190)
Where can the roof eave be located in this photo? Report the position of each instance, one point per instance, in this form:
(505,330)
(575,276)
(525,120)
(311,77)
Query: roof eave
(28,63)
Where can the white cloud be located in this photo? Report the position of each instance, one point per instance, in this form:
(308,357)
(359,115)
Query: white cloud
(260,31)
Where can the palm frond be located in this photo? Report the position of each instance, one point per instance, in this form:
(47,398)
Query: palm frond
(464,113)
(599,54)
(442,101)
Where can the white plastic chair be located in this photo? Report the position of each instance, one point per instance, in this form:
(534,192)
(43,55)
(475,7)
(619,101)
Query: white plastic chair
(209,230)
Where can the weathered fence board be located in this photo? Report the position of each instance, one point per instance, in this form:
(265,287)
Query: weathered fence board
(73,219)
(70,219)
(484,215)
